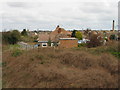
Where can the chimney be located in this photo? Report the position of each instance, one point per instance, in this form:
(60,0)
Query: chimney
(113,25)
(57,26)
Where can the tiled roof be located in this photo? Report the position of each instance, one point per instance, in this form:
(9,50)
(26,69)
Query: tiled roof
(55,35)
(43,37)
(59,33)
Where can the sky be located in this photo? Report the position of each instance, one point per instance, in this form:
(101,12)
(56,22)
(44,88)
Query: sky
(47,14)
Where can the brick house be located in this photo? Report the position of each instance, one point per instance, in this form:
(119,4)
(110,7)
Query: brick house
(59,36)
(59,33)
(68,42)
(43,40)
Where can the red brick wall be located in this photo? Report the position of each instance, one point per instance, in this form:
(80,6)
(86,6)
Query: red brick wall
(68,43)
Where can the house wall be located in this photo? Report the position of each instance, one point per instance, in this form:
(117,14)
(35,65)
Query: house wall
(68,43)
(42,44)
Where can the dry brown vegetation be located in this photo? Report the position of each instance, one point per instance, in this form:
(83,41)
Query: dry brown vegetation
(68,68)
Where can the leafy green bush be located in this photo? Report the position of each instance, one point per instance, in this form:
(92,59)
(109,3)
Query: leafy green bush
(16,52)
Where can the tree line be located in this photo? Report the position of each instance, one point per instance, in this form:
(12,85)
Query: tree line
(12,37)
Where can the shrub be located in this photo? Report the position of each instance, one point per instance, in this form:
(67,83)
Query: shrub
(11,37)
(16,53)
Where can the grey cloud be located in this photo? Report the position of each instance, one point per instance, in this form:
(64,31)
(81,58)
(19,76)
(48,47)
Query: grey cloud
(23,4)
(48,15)
(16,4)
(96,7)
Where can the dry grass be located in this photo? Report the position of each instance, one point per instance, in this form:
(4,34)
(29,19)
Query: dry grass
(66,68)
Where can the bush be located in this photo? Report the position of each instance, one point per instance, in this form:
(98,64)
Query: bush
(16,53)
(11,37)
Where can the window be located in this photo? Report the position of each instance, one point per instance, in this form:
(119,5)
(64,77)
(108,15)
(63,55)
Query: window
(44,44)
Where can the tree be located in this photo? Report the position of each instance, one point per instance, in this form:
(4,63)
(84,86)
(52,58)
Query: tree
(24,32)
(73,33)
(15,36)
(5,37)
(49,42)
(11,37)
(78,35)
(113,37)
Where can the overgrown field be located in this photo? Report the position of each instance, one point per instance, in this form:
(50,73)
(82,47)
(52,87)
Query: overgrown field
(60,68)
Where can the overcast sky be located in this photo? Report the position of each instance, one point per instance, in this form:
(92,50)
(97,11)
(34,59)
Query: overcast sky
(69,14)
